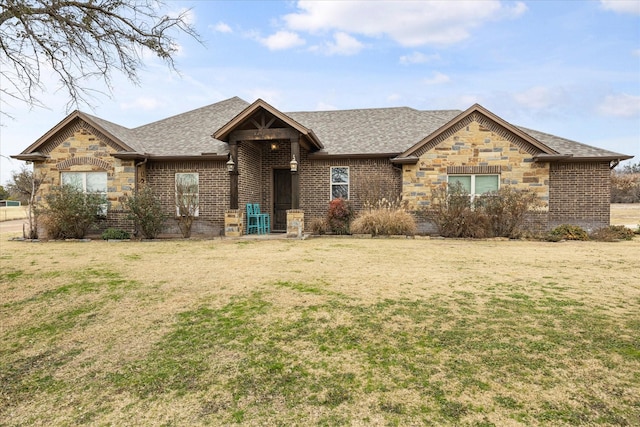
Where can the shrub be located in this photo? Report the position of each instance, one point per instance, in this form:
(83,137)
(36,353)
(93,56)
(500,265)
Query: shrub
(146,213)
(567,232)
(69,213)
(384,222)
(497,214)
(613,233)
(339,216)
(625,187)
(318,226)
(453,215)
(115,234)
(506,210)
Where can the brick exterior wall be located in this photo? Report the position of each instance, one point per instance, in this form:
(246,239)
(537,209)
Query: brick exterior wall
(315,181)
(213,192)
(580,194)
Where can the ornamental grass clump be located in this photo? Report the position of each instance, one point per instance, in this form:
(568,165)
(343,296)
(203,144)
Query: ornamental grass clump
(384,222)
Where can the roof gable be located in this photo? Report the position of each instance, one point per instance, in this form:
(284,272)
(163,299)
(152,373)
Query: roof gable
(251,119)
(486,119)
(68,125)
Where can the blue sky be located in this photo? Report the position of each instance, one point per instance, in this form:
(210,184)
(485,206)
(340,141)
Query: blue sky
(570,68)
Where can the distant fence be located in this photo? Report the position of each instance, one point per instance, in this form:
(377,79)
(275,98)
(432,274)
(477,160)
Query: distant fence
(8,213)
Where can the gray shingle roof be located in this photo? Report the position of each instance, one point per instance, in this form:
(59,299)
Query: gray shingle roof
(567,146)
(359,131)
(370,131)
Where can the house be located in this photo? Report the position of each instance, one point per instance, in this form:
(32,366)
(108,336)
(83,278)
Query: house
(293,164)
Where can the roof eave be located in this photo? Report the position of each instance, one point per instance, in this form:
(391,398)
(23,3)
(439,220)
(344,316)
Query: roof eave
(409,160)
(328,156)
(36,156)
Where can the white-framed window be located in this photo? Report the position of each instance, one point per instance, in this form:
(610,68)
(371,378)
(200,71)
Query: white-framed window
(339,182)
(88,182)
(187,194)
(476,185)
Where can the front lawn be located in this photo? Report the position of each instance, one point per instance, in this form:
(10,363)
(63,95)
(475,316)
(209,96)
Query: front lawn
(320,332)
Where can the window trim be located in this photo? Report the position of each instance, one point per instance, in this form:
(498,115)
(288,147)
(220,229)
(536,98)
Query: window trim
(332,183)
(104,208)
(175,189)
(472,193)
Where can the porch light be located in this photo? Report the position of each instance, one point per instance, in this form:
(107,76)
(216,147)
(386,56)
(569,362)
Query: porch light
(293,164)
(274,146)
(230,164)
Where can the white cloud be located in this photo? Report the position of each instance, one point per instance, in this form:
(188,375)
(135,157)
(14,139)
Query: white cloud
(437,79)
(418,58)
(539,97)
(622,6)
(221,27)
(620,105)
(282,40)
(635,52)
(343,44)
(409,23)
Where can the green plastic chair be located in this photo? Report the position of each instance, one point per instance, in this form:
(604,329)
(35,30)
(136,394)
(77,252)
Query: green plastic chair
(253,220)
(264,220)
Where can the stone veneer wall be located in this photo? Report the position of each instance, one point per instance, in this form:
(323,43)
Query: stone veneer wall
(82,148)
(474,149)
(580,194)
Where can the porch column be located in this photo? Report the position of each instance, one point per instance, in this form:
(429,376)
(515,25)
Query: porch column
(295,178)
(233,175)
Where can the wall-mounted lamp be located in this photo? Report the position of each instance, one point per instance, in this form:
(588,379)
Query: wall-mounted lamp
(293,164)
(274,146)
(230,164)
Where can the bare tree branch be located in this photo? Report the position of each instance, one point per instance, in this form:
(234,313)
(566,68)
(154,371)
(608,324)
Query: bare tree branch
(80,41)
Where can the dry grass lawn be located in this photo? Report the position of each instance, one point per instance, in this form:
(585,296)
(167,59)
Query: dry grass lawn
(320,332)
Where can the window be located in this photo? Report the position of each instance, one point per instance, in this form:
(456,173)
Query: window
(88,182)
(339,182)
(476,185)
(187,194)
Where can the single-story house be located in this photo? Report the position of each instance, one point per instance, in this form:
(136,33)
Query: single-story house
(294,163)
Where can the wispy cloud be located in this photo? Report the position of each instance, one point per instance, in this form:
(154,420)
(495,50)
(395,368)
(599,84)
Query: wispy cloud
(221,27)
(343,44)
(622,6)
(540,97)
(620,105)
(282,40)
(437,78)
(418,58)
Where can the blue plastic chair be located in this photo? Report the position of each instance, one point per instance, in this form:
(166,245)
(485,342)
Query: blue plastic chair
(253,221)
(264,220)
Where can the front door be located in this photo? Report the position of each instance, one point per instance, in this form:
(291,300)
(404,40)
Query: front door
(281,198)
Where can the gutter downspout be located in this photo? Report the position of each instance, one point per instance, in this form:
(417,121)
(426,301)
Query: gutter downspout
(136,171)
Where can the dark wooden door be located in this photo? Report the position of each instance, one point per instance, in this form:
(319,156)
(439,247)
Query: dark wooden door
(281,198)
